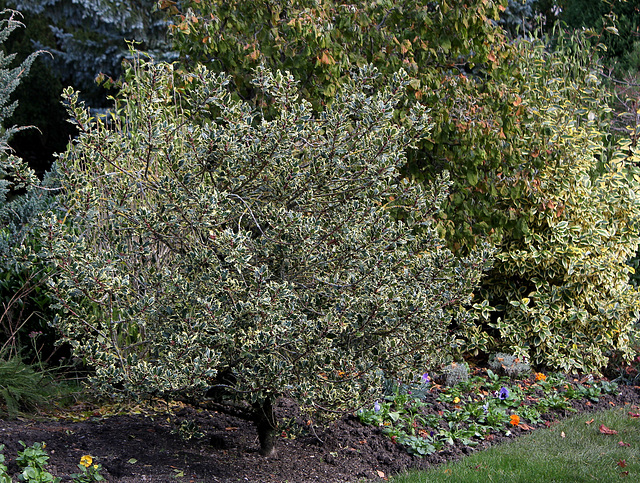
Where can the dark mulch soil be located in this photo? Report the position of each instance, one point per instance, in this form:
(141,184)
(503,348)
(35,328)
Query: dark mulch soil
(146,448)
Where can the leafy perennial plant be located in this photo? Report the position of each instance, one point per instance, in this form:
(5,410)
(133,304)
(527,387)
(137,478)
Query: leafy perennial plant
(33,460)
(475,409)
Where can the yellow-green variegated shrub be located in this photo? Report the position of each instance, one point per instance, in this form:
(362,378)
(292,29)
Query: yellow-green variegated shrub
(561,281)
(214,248)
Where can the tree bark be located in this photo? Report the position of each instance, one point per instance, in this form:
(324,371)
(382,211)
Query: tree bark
(265,421)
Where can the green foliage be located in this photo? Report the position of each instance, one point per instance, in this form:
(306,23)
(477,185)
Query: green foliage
(631,59)
(32,461)
(39,95)
(319,42)
(258,256)
(89,472)
(473,409)
(26,306)
(4,476)
(561,280)
(614,23)
(451,51)
(23,302)
(188,429)
(523,132)
(521,16)
(21,387)
(89,37)
(14,173)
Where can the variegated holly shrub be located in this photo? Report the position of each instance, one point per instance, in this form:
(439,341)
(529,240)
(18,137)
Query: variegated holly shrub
(209,247)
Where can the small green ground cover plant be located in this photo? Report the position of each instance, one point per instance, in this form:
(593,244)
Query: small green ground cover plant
(591,447)
(474,409)
(33,461)
(4,477)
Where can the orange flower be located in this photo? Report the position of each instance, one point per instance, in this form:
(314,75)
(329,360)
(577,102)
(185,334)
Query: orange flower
(540,376)
(515,419)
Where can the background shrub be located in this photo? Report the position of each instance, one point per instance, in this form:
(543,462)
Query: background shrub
(616,23)
(522,127)
(560,282)
(22,298)
(26,311)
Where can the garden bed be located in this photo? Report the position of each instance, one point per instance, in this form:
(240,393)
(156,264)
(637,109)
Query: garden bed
(136,444)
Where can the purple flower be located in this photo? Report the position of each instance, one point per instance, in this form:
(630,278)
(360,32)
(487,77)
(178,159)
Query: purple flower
(376,407)
(425,378)
(504,393)
(486,407)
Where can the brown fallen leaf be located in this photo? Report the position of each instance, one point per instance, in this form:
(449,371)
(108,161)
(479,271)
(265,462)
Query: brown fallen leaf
(231,428)
(622,463)
(525,427)
(380,473)
(634,415)
(590,421)
(605,430)
(622,443)
(562,435)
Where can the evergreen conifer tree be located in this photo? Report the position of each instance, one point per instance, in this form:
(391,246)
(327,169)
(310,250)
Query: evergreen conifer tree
(91,37)
(14,174)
